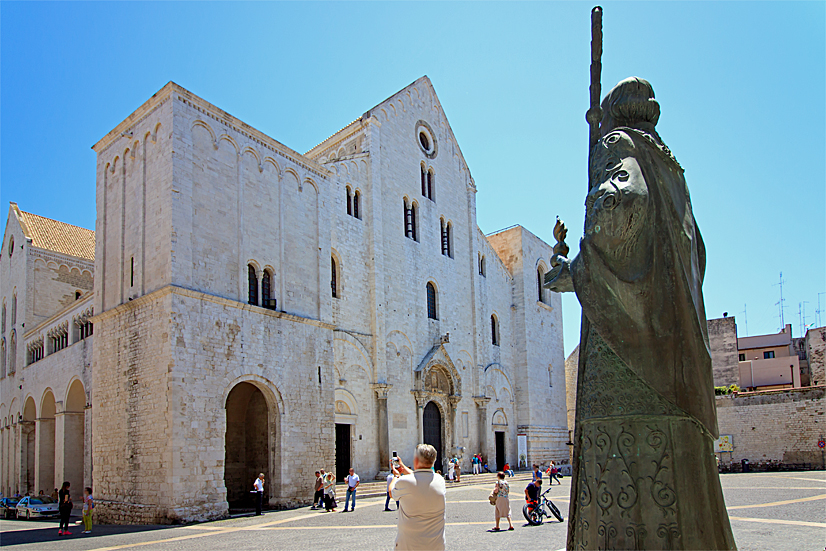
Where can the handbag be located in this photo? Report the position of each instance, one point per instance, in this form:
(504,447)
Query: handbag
(492,499)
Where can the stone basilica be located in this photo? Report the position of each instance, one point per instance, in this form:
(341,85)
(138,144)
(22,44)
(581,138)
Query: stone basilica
(243,308)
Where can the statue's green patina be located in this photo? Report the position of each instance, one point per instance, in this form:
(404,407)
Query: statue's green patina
(645,475)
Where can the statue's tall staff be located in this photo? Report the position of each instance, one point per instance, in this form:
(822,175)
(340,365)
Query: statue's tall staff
(593,116)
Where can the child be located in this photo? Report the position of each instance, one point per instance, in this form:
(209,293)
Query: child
(88,505)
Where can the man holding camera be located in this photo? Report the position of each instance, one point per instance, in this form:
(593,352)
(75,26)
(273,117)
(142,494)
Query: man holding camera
(421,497)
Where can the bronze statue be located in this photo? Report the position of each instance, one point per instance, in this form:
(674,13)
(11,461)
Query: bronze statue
(645,475)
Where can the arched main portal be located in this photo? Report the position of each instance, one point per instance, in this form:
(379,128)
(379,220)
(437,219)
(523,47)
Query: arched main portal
(247,444)
(74,436)
(432,431)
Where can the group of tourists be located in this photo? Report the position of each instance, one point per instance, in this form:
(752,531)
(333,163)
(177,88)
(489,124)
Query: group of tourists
(325,491)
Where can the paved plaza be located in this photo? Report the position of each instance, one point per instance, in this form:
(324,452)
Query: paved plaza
(768,511)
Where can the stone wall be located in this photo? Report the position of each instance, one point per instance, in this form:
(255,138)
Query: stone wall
(722,340)
(816,355)
(774,426)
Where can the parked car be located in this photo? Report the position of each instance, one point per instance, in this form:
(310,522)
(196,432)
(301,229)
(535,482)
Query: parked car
(8,506)
(36,507)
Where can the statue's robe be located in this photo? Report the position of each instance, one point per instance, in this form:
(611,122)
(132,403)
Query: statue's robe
(645,474)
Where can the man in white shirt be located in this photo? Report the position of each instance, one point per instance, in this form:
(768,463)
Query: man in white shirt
(352,483)
(421,497)
(259,493)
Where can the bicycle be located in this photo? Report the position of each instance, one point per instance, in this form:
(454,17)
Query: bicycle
(535,512)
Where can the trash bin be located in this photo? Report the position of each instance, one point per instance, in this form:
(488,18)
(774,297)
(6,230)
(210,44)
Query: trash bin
(745,464)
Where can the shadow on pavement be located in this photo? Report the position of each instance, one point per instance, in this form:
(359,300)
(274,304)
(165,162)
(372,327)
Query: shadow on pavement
(46,531)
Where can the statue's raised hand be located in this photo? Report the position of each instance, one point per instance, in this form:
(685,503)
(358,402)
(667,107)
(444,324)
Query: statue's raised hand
(559,278)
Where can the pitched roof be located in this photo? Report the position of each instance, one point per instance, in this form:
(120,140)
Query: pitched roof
(59,237)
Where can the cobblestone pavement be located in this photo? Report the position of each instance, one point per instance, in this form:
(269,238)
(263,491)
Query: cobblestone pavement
(769,511)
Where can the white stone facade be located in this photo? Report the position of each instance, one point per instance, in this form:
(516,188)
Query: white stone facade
(200,382)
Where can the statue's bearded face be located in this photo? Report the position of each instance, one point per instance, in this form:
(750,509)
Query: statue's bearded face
(617,203)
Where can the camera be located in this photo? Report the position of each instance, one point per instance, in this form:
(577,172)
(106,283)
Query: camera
(395,459)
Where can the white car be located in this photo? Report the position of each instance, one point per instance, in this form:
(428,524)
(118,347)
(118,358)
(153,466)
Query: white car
(31,507)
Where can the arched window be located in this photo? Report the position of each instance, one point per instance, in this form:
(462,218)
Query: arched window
(482,265)
(2,358)
(3,329)
(266,290)
(431,301)
(430,184)
(349,201)
(12,352)
(334,276)
(410,216)
(13,310)
(447,238)
(424,181)
(252,284)
(540,281)
(356,205)
(494,331)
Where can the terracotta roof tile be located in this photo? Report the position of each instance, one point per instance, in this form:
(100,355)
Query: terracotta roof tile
(58,236)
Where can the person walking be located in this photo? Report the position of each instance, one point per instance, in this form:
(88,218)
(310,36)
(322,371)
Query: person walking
(503,503)
(353,481)
(258,490)
(553,474)
(88,505)
(450,470)
(390,478)
(65,509)
(318,496)
(477,464)
(421,497)
(457,469)
(329,493)
(536,472)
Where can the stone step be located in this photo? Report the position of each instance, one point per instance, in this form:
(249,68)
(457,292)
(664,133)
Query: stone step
(379,488)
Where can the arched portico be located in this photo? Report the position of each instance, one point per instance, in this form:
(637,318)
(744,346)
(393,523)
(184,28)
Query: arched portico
(251,442)
(45,437)
(72,443)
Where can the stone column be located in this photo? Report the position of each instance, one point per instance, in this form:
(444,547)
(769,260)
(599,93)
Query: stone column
(482,409)
(421,401)
(45,454)
(454,441)
(381,390)
(24,429)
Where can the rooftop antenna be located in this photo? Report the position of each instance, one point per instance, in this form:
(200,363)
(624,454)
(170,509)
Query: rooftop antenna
(746,319)
(819,311)
(780,304)
(803,317)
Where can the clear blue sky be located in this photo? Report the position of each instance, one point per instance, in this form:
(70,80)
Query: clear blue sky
(741,87)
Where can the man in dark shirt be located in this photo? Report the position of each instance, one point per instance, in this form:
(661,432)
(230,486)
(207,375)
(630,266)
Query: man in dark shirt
(533,490)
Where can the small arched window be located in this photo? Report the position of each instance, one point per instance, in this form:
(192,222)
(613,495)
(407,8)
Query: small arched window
(356,204)
(349,201)
(13,310)
(430,178)
(11,246)
(431,301)
(266,290)
(2,358)
(3,329)
(450,239)
(252,284)
(334,276)
(424,181)
(494,330)
(410,216)
(540,281)
(12,352)
(443,233)
(482,265)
